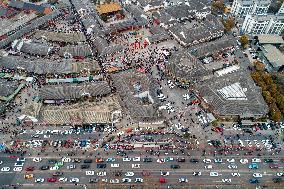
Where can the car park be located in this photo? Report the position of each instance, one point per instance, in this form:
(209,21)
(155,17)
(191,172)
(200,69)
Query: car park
(257,175)
(126,180)
(175,166)
(253,181)
(196,173)
(227,180)
(138,180)
(129,174)
(213,174)
(253,166)
(39,180)
(93,180)
(165,173)
(101,174)
(101,166)
(74,180)
(236,174)
(114,165)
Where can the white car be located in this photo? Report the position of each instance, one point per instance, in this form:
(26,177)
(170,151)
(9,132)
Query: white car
(139,180)
(161,160)
(90,172)
(196,173)
(136,166)
(214,174)
(257,175)
(54,168)
(74,180)
(101,174)
(226,180)
(136,159)
(231,160)
(279,174)
(65,159)
(232,166)
(1,162)
(243,161)
(182,180)
(208,167)
(62,179)
(37,159)
(21,159)
(126,159)
(207,160)
(39,180)
(114,165)
(186,97)
(126,180)
(5,169)
(235,174)
(255,160)
(71,166)
(114,181)
(164,173)
(129,174)
(19,164)
(18,169)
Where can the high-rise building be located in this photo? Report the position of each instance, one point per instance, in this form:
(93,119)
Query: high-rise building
(241,8)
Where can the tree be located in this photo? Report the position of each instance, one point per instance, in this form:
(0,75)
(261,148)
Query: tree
(218,5)
(244,41)
(276,116)
(229,24)
(259,66)
(215,123)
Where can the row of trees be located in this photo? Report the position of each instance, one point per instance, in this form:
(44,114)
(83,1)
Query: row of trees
(271,92)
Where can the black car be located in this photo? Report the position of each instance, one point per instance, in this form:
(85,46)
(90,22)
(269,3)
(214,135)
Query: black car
(93,180)
(194,160)
(175,166)
(101,166)
(84,166)
(44,167)
(147,160)
(118,173)
(88,161)
(277,180)
(52,161)
(181,159)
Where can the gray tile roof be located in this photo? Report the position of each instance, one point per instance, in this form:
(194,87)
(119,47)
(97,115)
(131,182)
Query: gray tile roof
(36,48)
(45,66)
(28,28)
(74,91)
(76,50)
(7,87)
(73,37)
(254,103)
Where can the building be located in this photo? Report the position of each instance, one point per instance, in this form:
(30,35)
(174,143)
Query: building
(194,33)
(233,95)
(281,9)
(263,24)
(104,112)
(270,39)
(241,8)
(138,95)
(274,57)
(185,68)
(29,7)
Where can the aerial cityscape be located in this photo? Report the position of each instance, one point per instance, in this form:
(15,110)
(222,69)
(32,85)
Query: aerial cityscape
(141,94)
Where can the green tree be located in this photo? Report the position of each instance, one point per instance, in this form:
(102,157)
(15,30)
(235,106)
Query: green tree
(244,40)
(215,123)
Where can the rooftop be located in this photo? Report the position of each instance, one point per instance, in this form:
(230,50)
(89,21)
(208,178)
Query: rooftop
(270,39)
(273,55)
(108,8)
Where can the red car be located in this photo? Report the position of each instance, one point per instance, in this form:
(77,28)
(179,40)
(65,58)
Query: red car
(99,160)
(282,160)
(163,180)
(273,166)
(30,169)
(51,179)
(146,173)
(13,156)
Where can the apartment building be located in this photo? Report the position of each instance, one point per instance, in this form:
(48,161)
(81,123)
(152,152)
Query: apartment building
(263,24)
(241,8)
